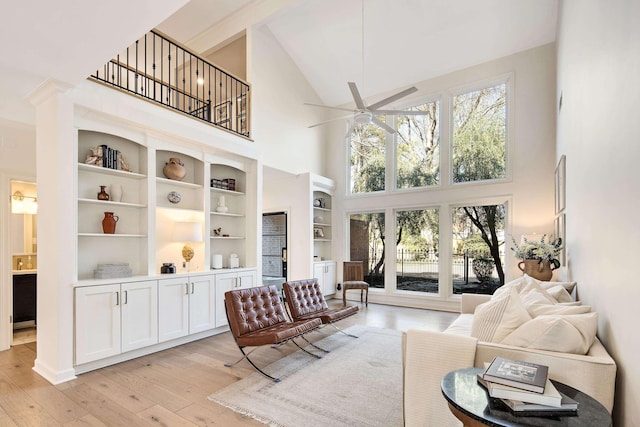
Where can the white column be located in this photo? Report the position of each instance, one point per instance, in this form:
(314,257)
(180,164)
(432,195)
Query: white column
(56,166)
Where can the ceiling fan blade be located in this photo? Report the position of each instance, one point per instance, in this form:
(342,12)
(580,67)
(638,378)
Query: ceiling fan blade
(331,120)
(392,98)
(383,125)
(333,108)
(356,96)
(400,112)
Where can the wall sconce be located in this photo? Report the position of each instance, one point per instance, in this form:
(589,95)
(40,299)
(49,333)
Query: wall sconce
(187,232)
(21,206)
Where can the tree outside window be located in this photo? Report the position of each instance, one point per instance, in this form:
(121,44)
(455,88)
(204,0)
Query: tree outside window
(417,238)
(478,248)
(367,158)
(367,244)
(479,135)
(418,148)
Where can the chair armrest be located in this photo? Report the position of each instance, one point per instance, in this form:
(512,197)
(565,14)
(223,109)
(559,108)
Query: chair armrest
(469,302)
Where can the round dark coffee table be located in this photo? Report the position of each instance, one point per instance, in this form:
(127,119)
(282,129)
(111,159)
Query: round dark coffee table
(471,404)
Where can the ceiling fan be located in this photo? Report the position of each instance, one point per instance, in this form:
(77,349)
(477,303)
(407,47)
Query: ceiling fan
(364,114)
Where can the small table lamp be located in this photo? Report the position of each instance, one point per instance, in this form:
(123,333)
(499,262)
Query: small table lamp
(187,232)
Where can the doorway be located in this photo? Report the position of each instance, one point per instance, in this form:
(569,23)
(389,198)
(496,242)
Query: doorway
(274,248)
(23,235)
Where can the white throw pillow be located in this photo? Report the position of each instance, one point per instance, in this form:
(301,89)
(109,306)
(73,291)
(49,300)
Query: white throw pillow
(567,285)
(532,293)
(565,334)
(518,283)
(536,310)
(559,293)
(498,317)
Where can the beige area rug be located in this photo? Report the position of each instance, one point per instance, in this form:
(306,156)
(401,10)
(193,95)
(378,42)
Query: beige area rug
(358,384)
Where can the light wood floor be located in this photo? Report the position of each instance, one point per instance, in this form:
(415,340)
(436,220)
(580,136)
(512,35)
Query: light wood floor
(168,388)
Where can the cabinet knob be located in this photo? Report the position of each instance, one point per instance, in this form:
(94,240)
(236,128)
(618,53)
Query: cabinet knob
(117,298)
(124,297)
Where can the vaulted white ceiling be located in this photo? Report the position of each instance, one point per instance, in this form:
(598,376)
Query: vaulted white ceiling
(405,41)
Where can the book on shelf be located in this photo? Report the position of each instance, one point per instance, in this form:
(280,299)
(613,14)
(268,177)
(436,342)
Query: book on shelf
(516,373)
(568,407)
(550,397)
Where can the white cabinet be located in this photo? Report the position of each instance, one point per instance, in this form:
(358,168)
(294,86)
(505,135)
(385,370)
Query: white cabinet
(187,305)
(97,322)
(202,303)
(111,319)
(325,272)
(229,281)
(139,314)
(173,308)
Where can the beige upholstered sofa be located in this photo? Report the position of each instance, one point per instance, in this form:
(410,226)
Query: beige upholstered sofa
(428,356)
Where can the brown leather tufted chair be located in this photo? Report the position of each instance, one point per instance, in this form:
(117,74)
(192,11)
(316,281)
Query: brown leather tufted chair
(305,301)
(256,318)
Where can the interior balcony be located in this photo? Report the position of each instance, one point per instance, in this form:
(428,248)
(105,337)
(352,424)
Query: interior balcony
(163,71)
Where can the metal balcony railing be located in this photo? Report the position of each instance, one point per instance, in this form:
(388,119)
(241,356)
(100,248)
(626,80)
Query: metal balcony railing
(160,70)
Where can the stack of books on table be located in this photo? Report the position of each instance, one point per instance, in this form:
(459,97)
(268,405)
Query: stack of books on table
(525,388)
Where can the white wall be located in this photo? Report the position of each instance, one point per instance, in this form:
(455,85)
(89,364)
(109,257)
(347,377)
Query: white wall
(17,161)
(599,132)
(290,193)
(279,119)
(530,192)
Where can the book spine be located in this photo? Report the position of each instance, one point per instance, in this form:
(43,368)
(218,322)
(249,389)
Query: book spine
(105,159)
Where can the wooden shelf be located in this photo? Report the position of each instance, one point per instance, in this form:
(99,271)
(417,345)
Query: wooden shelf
(110,235)
(226,214)
(177,183)
(110,203)
(107,171)
(227,238)
(223,191)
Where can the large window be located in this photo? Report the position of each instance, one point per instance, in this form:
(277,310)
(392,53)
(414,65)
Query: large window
(404,171)
(478,248)
(367,158)
(479,135)
(418,148)
(417,250)
(367,244)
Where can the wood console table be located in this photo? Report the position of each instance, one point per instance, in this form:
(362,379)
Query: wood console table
(471,404)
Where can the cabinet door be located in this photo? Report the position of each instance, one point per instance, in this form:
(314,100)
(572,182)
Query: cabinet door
(97,322)
(247,279)
(329,287)
(224,282)
(139,314)
(202,303)
(318,273)
(173,308)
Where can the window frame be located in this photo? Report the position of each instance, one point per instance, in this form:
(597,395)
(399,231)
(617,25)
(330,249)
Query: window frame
(507,80)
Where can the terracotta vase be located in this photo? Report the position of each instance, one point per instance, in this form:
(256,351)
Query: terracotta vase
(102,194)
(109,223)
(174,169)
(540,270)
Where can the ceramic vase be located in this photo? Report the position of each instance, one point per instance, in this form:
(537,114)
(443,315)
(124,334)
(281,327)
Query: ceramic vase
(222,207)
(102,194)
(174,169)
(109,223)
(115,192)
(540,270)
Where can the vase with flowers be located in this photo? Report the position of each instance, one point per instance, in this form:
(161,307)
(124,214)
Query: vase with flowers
(539,258)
